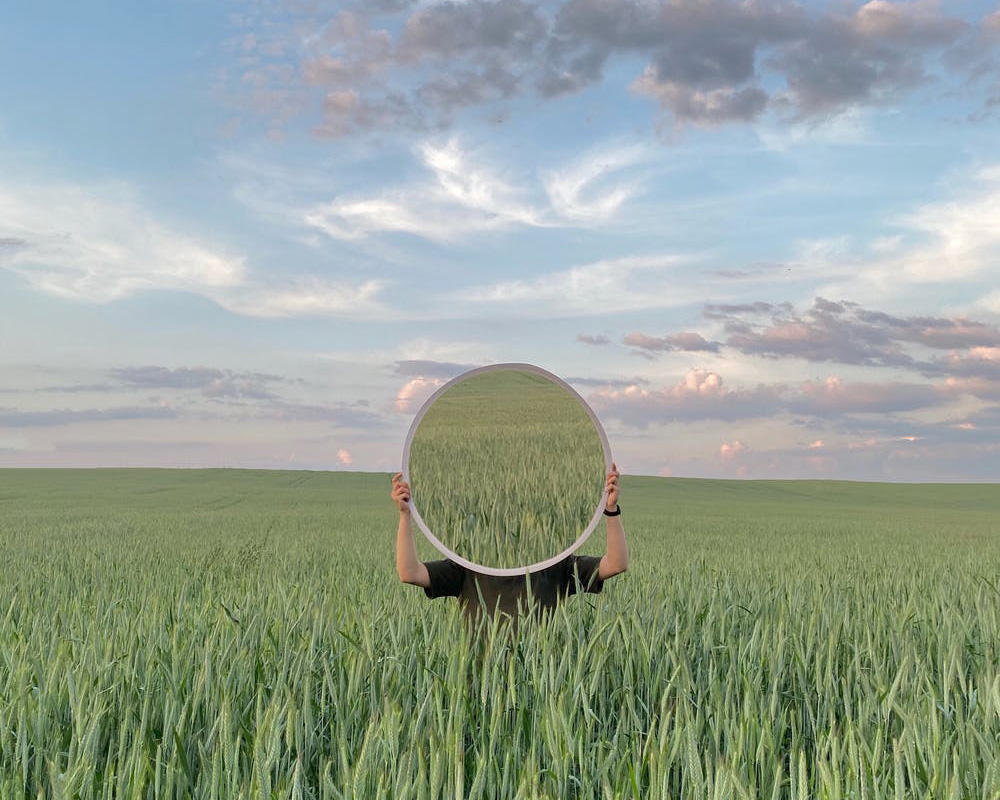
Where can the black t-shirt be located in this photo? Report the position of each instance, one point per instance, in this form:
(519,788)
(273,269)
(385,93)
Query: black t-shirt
(450,579)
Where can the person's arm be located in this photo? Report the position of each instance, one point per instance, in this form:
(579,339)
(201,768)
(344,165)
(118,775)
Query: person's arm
(408,566)
(615,559)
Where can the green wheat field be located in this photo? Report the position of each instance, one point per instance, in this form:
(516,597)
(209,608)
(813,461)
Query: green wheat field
(243,634)
(506,468)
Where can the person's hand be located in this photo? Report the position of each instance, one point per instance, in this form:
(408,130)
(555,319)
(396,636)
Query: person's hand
(612,488)
(400,493)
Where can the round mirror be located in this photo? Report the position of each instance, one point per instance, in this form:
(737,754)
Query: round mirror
(506,466)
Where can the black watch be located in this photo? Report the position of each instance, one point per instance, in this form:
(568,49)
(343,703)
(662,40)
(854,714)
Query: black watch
(614,513)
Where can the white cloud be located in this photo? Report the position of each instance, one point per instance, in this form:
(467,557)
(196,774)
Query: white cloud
(957,239)
(601,287)
(577,191)
(97,244)
(466,195)
(306,296)
(463,198)
(414,392)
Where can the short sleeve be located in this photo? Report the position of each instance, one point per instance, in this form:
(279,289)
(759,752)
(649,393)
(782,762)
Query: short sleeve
(587,568)
(446,577)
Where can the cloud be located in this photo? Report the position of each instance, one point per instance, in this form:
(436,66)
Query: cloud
(308,296)
(832,396)
(729,451)
(340,415)
(463,198)
(700,395)
(574,190)
(14,418)
(944,242)
(464,195)
(413,393)
(426,368)
(847,333)
(684,340)
(97,244)
(705,62)
(608,382)
(209,381)
(982,388)
(703,395)
(344,456)
(981,362)
(600,287)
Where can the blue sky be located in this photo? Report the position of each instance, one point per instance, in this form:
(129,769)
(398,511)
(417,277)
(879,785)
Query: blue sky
(762,239)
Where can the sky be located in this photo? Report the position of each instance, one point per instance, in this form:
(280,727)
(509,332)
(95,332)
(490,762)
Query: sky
(761,239)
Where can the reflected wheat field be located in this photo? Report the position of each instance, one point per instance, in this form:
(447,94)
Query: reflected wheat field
(506,468)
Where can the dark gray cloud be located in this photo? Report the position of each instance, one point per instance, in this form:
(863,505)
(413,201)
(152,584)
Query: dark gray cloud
(424,368)
(12,243)
(705,62)
(844,332)
(211,382)
(594,340)
(511,29)
(684,340)
(14,418)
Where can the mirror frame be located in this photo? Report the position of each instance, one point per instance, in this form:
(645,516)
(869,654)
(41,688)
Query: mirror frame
(415,514)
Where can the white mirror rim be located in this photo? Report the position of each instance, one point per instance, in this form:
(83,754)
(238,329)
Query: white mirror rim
(415,514)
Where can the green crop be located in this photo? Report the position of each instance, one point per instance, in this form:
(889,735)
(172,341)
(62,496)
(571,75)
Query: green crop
(243,634)
(506,468)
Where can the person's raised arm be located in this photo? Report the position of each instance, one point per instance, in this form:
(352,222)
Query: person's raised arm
(410,568)
(615,559)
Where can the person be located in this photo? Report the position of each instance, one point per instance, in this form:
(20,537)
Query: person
(510,595)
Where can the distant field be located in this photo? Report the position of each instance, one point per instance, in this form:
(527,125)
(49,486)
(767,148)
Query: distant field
(242,633)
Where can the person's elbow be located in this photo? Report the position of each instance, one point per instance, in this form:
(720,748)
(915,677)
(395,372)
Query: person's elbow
(609,569)
(406,576)
(418,576)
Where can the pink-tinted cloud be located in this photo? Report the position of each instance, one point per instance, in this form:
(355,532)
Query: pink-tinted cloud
(702,394)
(729,451)
(414,392)
(699,395)
(833,396)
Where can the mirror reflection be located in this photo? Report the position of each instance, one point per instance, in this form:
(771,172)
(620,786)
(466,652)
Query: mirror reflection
(506,467)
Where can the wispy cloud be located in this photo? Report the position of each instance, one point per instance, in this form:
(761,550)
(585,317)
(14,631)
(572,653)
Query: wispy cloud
(465,195)
(579,191)
(96,243)
(601,287)
(956,239)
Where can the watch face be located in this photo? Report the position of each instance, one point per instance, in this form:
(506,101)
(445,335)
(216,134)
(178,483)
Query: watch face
(506,466)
